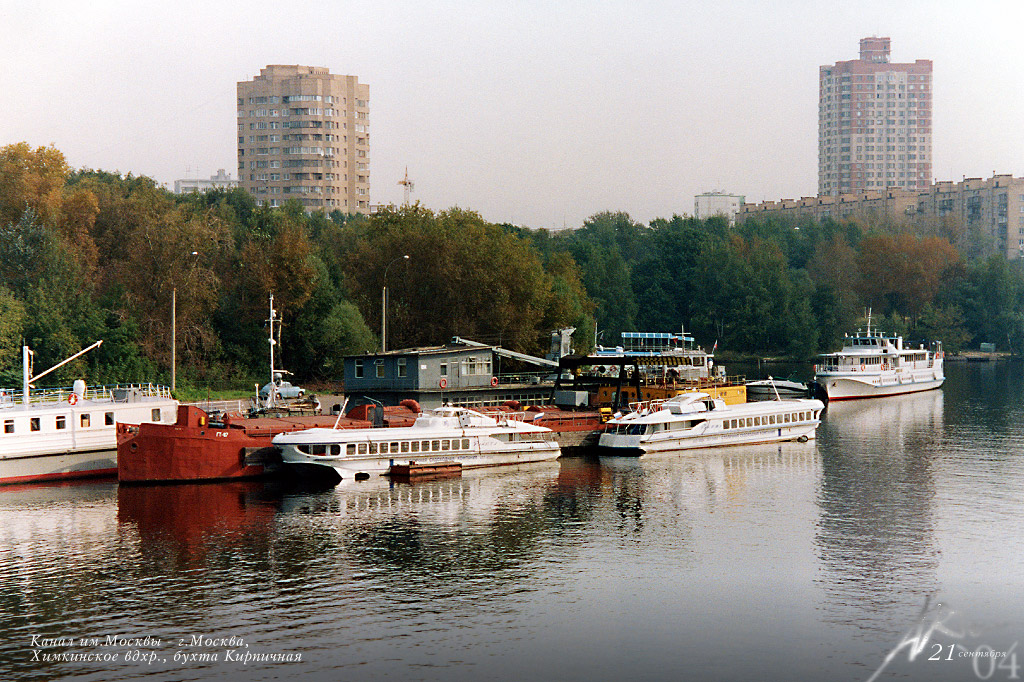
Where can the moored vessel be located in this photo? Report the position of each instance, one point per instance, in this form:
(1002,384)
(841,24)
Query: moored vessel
(873,364)
(201,447)
(214,446)
(447,434)
(696,420)
(647,366)
(61,433)
(772,389)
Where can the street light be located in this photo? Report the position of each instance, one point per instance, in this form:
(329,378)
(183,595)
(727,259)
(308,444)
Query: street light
(174,328)
(384,305)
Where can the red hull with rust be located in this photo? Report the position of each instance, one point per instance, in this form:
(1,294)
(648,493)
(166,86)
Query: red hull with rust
(194,449)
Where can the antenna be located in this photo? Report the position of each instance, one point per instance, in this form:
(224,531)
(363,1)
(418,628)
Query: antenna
(408,184)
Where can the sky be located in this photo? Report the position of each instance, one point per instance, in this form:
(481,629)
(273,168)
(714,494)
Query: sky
(538,113)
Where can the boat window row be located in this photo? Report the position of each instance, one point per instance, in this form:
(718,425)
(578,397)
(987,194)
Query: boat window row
(387,448)
(521,437)
(524,400)
(60,421)
(641,429)
(629,429)
(769,420)
(866,362)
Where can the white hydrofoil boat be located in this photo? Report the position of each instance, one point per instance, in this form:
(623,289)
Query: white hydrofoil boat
(447,434)
(695,420)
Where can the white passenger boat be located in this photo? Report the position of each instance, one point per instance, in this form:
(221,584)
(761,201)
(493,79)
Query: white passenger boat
(65,433)
(695,420)
(772,389)
(873,364)
(447,434)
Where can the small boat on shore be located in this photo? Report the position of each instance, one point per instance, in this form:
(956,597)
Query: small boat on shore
(696,420)
(873,365)
(447,434)
(67,433)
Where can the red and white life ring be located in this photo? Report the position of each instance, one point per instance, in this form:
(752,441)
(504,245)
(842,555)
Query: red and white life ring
(494,381)
(72,399)
(443,383)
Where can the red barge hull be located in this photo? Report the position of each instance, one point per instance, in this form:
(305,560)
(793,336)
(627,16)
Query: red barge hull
(196,449)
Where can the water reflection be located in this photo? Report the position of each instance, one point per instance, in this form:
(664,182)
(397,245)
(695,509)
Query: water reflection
(876,536)
(807,560)
(178,526)
(438,530)
(705,481)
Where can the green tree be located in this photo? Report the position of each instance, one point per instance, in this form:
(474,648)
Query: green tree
(465,277)
(12,320)
(945,324)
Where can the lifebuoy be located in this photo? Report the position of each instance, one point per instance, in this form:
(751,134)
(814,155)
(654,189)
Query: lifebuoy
(443,383)
(494,381)
(72,399)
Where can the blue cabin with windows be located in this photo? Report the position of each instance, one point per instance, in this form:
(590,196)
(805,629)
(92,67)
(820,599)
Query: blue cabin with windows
(457,374)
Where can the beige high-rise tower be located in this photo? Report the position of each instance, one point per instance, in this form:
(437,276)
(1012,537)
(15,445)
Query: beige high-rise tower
(874,123)
(304,133)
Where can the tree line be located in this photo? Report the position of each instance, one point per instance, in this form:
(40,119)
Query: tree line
(88,254)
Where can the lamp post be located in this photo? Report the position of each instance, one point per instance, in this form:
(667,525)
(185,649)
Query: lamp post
(174,329)
(384,305)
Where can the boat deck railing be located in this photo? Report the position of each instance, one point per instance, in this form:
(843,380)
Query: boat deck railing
(112,393)
(226,406)
(647,406)
(521,378)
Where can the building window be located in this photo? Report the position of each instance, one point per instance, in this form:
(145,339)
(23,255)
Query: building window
(475,366)
(402,372)
(379,367)
(359,369)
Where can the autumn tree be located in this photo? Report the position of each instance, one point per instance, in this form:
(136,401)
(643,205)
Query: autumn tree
(31,179)
(903,273)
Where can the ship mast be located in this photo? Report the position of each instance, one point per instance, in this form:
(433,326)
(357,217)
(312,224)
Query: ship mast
(271,395)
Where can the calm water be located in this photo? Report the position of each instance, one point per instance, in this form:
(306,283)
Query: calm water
(799,562)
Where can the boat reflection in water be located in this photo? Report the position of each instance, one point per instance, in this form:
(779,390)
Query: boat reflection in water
(876,537)
(714,479)
(896,420)
(183,523)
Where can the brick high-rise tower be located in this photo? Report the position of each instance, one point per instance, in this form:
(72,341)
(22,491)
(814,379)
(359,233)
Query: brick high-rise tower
(874,123)
(304,133)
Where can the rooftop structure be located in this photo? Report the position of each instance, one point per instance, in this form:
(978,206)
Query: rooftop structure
(222,180)
(992,210)
(711,204)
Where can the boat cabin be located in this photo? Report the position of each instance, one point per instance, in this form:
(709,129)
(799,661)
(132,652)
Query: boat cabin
(456,373)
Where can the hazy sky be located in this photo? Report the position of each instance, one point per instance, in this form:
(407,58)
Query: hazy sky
(538,113)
